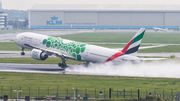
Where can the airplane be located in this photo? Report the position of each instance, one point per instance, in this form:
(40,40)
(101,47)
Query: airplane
(160,29)
(43,46)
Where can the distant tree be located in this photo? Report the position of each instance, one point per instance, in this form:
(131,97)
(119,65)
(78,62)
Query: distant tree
(10,22)
(16,14)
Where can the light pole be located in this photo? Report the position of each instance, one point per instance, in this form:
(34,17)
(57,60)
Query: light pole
(17,92)
(74,93)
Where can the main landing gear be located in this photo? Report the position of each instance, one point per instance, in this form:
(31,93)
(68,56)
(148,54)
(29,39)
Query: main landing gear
(22,53)
(86,64)
(63,64)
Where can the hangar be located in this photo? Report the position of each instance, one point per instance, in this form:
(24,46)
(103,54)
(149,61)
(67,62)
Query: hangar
(116,16)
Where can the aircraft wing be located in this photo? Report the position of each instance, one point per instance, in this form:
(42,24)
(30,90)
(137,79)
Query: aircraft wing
(51,52)
(146,59)
(151,46)
(144,47)
(58,54)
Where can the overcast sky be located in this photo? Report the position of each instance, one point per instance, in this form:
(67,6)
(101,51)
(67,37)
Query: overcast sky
(27,4)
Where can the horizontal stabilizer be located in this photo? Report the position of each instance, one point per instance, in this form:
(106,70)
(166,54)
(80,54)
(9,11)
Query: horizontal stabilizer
(146,59)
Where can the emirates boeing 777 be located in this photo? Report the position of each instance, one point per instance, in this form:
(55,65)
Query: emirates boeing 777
(43,46)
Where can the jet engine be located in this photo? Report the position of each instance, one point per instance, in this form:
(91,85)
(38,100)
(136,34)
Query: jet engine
(38,54)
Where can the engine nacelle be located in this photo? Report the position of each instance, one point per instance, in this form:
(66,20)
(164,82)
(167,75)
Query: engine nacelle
(38,54)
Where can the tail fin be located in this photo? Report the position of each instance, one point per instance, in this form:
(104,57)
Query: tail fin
(134,43)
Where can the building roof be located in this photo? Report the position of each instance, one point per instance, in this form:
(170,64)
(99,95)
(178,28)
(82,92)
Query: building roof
(103,7)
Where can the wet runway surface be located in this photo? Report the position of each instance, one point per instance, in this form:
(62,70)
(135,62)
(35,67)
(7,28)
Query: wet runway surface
(33,68)
(13,56)
(168,69)
(42,68)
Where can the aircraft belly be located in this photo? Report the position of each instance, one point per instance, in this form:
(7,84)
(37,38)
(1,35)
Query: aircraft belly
(97,54)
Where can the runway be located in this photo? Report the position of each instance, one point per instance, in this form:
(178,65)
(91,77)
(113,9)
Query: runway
(168,69)
(32,68)
(40,68)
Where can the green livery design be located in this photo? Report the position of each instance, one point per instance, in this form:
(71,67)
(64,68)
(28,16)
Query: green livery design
(73,48)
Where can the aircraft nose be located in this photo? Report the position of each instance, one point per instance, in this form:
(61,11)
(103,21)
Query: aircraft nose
(16,38)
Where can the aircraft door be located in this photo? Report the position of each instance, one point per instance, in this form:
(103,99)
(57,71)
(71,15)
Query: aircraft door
(87,52)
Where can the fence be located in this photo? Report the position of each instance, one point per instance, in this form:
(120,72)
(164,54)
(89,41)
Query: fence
(105,93)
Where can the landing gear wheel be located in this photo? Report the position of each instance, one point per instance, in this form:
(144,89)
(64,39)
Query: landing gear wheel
(62,65)
(59,64)
(22,53)
(86,64)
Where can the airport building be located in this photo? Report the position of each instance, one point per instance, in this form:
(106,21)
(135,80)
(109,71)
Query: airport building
(3,20)
(73,16)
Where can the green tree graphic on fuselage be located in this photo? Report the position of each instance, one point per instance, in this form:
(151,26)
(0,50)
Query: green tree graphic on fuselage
(73,48)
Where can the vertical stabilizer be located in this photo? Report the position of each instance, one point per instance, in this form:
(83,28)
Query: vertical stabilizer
(134,43)
(131,47)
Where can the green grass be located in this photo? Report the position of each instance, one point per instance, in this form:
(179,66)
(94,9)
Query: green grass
(29,60)
(50,60)
(149,37)
(100,37)
(85,83)
(9,46)
(114,46)
(171,48)
(14,47)
(124,37)
(111,45)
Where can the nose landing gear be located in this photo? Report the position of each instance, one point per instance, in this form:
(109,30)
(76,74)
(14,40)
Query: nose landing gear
(22,53)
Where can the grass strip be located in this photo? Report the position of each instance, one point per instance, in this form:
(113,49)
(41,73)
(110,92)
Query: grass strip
(10,46)
(124,37)
(171,48)
(85,83)
(29,60)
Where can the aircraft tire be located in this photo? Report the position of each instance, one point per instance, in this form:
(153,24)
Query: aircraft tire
(59,64)
(63,66)
(22,53)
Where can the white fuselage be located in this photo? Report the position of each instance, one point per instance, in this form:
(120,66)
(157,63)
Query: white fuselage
(91,53)
(160,29)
